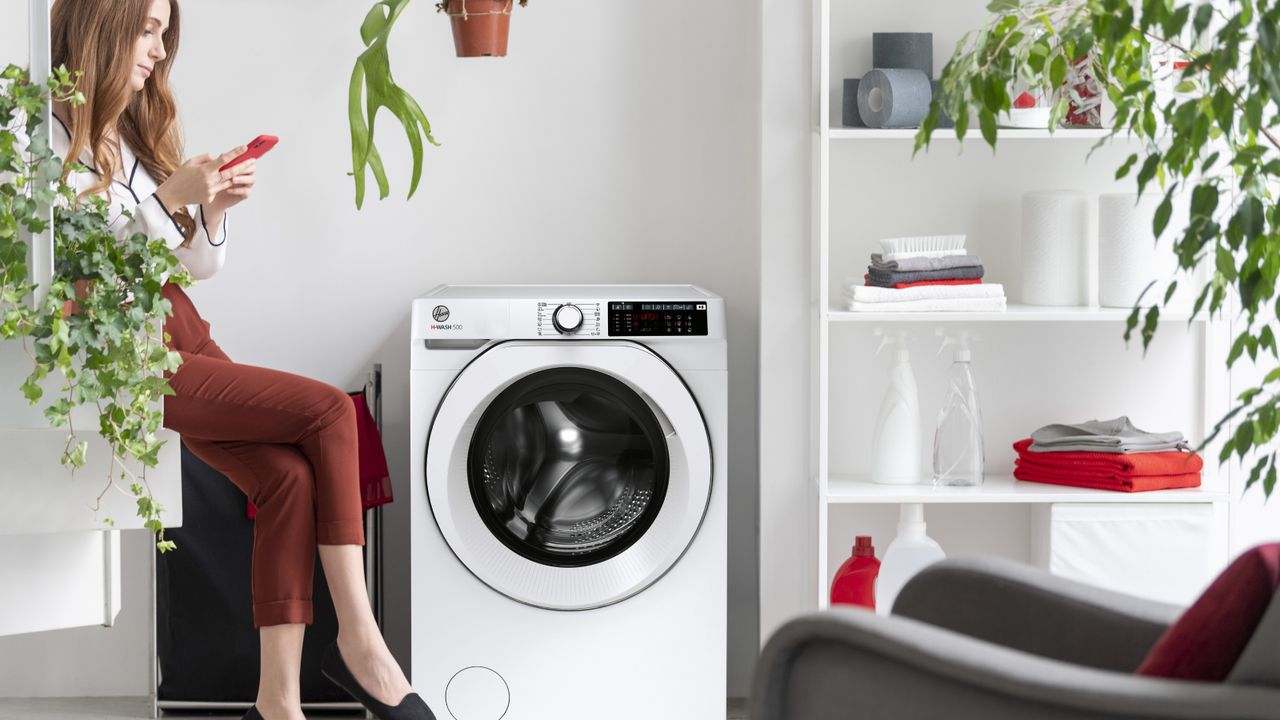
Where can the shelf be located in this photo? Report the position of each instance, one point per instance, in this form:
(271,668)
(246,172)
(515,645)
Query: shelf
(949,135)
(1013,313)
(843,489)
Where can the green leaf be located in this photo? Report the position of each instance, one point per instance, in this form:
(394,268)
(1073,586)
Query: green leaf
(1163,212)
(1057,71)
(987,121)
(375,23)
(1204,13)
(1148,170)
(1149,327)
(1244,437)
(1128,163)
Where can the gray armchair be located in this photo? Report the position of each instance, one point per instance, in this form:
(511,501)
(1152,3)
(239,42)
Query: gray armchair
(992,639)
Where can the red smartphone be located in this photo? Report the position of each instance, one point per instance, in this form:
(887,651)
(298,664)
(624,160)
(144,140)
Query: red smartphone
(257,148)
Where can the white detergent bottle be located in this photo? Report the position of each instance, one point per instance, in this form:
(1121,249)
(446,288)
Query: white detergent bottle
(909,553)
(957,442)
(895,447)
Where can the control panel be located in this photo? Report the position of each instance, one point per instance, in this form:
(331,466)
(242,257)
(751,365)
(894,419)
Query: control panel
(568,318)
(652,319)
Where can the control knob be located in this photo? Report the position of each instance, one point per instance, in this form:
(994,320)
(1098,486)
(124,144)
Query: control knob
(567,319)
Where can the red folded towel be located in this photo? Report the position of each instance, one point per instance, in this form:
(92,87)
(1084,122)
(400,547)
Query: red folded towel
(1127,472)
(899,286)
(1136,483)
(375,479)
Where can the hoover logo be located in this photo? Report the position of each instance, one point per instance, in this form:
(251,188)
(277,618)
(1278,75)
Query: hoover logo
(440,313)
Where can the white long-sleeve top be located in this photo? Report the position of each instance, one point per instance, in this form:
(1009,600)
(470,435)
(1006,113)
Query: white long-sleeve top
(202,259)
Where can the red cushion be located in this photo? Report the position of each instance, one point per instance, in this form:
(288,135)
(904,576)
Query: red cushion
(1206,642)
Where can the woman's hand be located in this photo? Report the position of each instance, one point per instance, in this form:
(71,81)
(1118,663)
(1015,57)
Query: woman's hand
(241,186)
(198,181)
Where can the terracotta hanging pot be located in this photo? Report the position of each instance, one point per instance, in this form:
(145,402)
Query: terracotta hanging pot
(480,27)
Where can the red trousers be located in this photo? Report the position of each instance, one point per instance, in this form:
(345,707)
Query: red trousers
(287,441)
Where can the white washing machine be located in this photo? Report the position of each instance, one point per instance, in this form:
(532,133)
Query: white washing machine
(568,502)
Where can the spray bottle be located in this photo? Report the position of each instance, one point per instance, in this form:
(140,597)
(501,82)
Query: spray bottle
(957,443)
(895,447)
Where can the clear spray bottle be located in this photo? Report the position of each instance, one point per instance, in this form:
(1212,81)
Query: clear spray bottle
(957,443)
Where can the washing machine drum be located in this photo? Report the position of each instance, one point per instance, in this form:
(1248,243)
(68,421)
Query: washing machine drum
(568,475)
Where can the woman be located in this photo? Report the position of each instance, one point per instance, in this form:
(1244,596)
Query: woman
(287,441)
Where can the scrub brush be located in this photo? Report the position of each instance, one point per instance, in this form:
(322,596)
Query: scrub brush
(921,246)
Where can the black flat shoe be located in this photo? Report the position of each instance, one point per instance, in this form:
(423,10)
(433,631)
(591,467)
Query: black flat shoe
(253,714)
(412,707)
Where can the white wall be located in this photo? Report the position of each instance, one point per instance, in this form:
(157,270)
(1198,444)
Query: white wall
(787,546)
(616,144)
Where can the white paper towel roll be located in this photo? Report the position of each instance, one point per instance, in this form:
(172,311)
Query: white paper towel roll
(1055,233)
(1128,256)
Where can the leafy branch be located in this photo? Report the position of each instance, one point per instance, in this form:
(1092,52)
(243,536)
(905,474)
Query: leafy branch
(100,327)
(1208,132)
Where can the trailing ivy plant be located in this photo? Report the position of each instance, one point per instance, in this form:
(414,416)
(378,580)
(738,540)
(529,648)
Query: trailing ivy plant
(108,349)
(371,82)
(1215,137)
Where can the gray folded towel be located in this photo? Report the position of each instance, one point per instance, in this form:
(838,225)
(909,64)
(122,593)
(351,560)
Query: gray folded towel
(945,262)
(1117,435)
(882,278)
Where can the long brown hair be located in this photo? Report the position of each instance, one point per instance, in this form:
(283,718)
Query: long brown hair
(93,37)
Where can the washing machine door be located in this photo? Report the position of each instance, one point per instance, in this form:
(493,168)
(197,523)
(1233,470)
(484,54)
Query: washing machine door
(568,475)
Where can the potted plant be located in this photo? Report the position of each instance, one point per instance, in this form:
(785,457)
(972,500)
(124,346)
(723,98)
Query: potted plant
(1211,135)
(107,349)
(480,27)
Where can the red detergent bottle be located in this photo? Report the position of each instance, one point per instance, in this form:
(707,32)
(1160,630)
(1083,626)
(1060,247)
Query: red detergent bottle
(855,581)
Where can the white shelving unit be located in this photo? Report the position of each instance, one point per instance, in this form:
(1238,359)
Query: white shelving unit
(973,135)
(841,154)
(1000,489)
(1012,313)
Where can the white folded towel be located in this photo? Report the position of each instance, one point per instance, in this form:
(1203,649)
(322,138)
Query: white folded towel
(871,294)
(995,304)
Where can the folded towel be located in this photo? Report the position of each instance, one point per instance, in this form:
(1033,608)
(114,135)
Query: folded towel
(924,263)
(1127,448)
(889,279)
(1102,464)
(1137,483)
(993,304)
(1116,435)
(900,286)
(867,294)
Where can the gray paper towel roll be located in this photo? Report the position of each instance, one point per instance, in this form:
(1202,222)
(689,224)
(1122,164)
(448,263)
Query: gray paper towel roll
(893,98)
(909,50)
(849,116)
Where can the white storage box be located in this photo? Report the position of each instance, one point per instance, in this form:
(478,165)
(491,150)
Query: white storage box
(1167,551)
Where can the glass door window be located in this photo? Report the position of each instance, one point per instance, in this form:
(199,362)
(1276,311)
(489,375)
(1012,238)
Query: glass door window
(568,467)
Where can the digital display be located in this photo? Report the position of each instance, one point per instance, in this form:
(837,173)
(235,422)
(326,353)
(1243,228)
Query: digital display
(656,318)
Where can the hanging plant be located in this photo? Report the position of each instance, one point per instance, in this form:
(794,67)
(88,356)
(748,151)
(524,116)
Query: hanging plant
(480,29)
(109,350)
(371,81)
